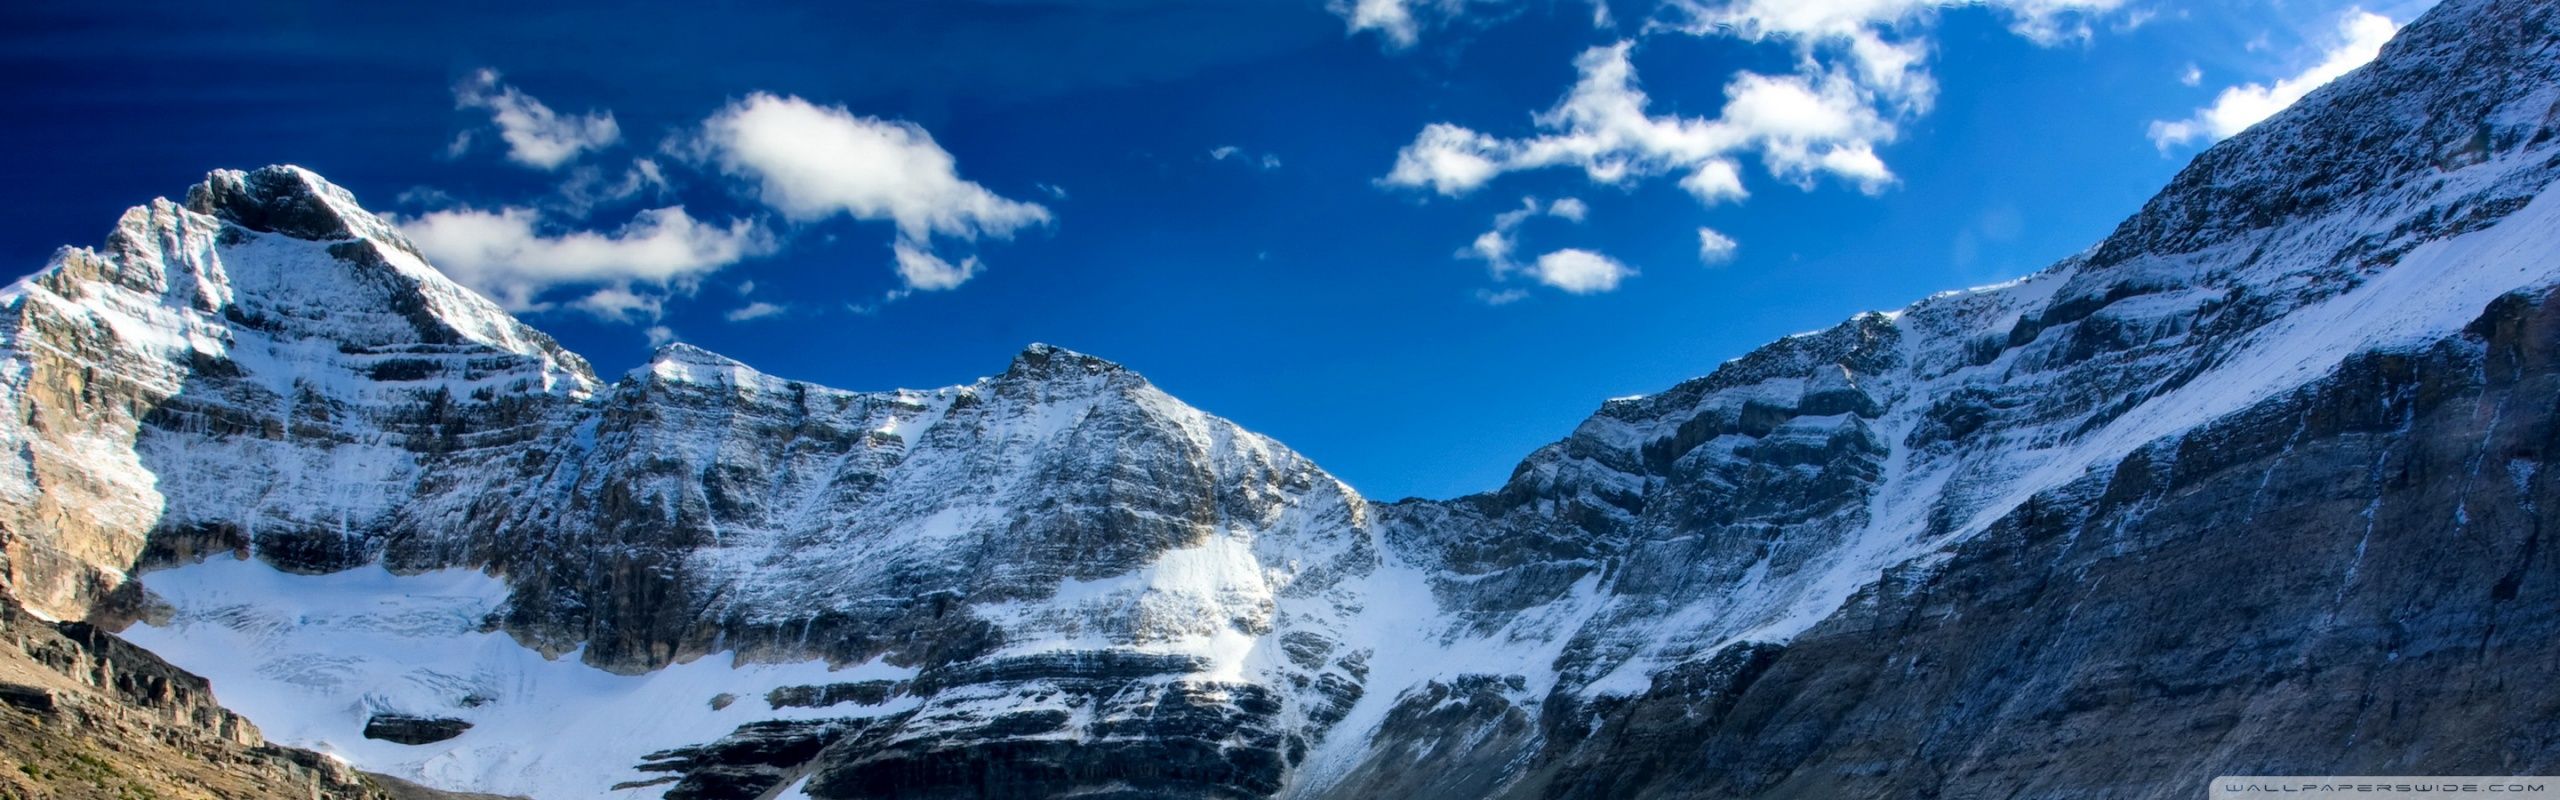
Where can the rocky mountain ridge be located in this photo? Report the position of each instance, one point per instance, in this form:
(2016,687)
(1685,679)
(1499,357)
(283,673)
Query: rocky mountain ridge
(2262,465)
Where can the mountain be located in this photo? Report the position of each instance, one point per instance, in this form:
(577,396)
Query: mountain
(2253,486)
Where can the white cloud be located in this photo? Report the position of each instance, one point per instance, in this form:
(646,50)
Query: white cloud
(1494,247)
(1880,46)
(1856,163)
(1572,270)
(508,255)
(659,335)
(1715,248)
(1861,69)
(812,162)
(2191,76)
(925,272)
(2043,21)
(1719,180)
(756,310)
(1579,271)
(2361,35)
(1452,160)
(620,304)
(1802,125)
(1393,20)
(1265,161)
(536,136)
(646,172)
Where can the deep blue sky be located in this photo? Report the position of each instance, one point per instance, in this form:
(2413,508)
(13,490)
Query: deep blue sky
(1311,300)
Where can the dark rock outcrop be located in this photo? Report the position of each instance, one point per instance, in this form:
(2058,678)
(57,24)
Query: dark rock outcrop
(868,693)
(413,729)
(748,762)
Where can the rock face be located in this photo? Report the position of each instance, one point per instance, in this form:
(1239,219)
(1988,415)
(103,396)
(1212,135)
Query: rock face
(2252,487)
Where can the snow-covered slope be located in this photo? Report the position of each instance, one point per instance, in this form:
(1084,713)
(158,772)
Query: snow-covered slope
(395,524)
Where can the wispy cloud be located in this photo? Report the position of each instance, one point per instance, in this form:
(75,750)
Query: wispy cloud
(619,303)
(536,136)
(513,254)
(1263,161)
(2359,38)
(590,187)
(1572,270)
(1495,246)
(753,311)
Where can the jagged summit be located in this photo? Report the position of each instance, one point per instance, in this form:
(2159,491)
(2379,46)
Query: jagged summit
(256,260)
(1039,361)
(688,353)
(285,199)
(686,363)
